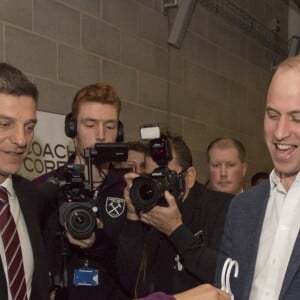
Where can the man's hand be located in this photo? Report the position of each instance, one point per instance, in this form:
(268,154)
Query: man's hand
(131,212)
(87,243)
(203,292)
(52,295)
(164,219)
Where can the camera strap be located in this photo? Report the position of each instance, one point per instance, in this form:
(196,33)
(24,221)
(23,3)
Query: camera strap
(145,283)
(62,280)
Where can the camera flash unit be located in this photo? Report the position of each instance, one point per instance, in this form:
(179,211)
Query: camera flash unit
(153,131)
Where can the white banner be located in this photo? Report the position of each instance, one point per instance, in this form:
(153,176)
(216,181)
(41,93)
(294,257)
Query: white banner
(50,147)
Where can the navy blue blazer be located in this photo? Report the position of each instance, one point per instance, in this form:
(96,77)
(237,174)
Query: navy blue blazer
(241,239)
(33,210)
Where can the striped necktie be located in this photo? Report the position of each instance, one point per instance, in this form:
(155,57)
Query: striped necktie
(12,249)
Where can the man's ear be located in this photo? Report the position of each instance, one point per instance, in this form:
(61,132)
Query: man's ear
(190,177)
(245,167)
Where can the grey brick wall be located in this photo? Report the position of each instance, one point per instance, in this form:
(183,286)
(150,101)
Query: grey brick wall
(213,86)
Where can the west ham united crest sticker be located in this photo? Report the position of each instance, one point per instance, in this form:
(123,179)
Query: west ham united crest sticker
(114,206)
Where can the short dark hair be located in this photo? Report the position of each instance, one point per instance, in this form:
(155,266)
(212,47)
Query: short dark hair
(257,176)
(14,82)
(225,143)
(137,146)
(183,153)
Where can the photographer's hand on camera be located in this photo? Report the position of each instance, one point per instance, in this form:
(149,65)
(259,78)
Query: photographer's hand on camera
(164,218)
(131,211)
(83,244)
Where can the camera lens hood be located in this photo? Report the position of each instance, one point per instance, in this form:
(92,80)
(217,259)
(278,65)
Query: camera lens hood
(79,219)
(145,193)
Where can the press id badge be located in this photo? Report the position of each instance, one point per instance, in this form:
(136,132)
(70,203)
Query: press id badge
(86,277)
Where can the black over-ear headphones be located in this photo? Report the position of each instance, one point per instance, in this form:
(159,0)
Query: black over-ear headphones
(71,128)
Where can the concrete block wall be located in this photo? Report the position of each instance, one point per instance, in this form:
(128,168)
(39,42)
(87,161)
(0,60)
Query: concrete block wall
(213,86)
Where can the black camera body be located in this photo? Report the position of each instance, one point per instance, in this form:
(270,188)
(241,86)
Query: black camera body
(148,190)
(76,211)
(79,207)
(160,151)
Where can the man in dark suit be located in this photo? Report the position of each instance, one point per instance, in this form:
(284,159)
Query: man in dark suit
(262,227)
(179,249)
(18,104)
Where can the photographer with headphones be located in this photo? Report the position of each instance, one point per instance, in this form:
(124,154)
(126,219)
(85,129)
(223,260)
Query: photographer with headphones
(85,268)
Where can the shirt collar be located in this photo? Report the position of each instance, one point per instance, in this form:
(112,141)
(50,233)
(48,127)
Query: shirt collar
(275,180)
(8,185)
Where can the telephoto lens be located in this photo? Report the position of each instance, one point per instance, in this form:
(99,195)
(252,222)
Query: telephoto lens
(146,192)
(79,218)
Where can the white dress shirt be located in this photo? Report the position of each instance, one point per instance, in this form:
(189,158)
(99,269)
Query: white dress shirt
(23,236)
(279,232)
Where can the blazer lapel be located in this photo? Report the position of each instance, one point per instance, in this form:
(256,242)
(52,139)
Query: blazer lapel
(22,197)
(255,215)
(292,268)
(28,212)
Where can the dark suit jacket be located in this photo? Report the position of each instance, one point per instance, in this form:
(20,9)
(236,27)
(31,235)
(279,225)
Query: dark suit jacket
(32,210)
(241,239)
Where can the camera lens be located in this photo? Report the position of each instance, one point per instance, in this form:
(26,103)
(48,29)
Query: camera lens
(145,193)
(79,218)
(81,222)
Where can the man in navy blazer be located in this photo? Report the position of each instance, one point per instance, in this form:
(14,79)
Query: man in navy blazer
(262,226)
(18,104)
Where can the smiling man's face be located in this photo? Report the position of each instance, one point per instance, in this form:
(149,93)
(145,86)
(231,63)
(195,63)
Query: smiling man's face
(282,123)
(17,122)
